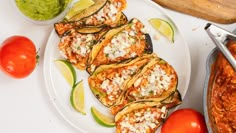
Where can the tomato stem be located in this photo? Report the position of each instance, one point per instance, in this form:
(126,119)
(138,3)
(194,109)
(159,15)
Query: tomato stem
(37,56)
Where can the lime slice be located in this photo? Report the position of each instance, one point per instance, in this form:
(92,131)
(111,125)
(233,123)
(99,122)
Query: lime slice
(102,119)
(67,71)
(77,97)
(78,7)
(164,27)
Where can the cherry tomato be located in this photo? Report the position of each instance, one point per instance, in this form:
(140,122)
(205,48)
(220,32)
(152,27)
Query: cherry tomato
(185,121)
(18,56)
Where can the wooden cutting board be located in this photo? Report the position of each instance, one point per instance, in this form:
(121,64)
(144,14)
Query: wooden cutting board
(219,11)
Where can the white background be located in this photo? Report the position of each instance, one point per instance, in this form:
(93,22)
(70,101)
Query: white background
(25,106)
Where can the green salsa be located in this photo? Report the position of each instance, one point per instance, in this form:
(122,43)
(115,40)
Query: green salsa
(42,9)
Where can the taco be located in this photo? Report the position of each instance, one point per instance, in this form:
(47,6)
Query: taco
(119,44)
(102,13)
(76,44)
(145,116)
(108,82)
(157,79)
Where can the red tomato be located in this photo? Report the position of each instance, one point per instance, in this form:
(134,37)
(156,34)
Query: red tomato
(18,56)
(185,121)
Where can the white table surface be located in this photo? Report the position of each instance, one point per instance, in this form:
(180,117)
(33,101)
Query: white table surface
(25,104)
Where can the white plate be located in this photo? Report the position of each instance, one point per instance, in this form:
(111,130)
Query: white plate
(176,54)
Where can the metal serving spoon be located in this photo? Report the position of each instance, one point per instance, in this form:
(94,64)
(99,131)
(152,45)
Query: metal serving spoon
(220,38)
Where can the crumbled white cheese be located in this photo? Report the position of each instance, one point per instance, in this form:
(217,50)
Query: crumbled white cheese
(157,82)
(114,85)
(132,33)
(135,20)
(107,13)
(113,9)
(111,97)
(163,110)
(83,51)
(105,84)
(118,4)
(141,121)
(81,44)
(144,30)
(119,45)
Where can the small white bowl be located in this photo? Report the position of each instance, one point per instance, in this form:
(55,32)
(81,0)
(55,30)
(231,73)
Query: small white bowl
(42,22)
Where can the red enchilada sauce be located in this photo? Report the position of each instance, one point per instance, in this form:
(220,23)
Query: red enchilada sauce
(223,100)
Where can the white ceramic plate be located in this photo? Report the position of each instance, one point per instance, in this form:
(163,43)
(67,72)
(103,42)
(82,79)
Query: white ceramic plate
(176,54)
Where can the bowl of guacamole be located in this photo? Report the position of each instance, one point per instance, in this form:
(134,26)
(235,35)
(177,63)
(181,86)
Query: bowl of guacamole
(42,11)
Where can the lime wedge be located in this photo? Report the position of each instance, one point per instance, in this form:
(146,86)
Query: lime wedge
(77,97)
(164,27)
(78,7)
(102,119)
(67,71)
